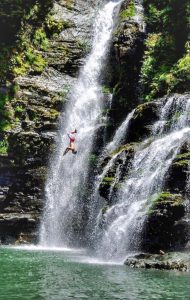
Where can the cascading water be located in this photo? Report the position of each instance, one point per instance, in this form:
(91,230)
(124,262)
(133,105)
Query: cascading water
(149,167)
(68,174)
(119,135)
(96,201)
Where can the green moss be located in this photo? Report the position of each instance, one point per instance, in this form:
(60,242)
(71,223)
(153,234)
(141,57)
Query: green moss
(34,38)
(182,163)
(127,147)
(164,199)
(19,109)
(108,179)
(55,26)
(4,146)
(182,156)
(106,90)
(40,39)
(182,160)
(28,58)
(129,12)
(139,110)
(5,112)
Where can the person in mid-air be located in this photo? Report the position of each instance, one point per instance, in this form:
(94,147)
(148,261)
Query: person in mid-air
(71,147)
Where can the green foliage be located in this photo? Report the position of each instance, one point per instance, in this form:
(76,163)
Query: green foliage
(4,146)
(5,113)
(28,61)
(129,12)
(55,26)
(166,63)
(33,39)
(18,112)
(40,39)
(19,109)
(28,57)
(106,90)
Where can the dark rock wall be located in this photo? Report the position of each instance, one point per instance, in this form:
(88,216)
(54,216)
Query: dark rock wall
(125,64)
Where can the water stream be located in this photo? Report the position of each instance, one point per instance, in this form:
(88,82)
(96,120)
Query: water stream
(67,176)
(124,220)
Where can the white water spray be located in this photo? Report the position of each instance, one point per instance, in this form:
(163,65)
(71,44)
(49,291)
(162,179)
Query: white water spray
(65,186)
(120,134)
(124,220)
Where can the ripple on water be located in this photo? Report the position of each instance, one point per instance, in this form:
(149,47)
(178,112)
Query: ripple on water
(36,274)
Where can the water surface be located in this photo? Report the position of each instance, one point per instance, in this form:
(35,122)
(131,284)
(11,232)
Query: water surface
(61,275)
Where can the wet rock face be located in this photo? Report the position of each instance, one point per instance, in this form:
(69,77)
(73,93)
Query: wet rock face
(164,227)
(178,173)
(141,123)
(117,172)
(125,63)
(38,100)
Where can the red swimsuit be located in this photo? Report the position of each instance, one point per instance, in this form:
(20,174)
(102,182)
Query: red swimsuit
(71,137)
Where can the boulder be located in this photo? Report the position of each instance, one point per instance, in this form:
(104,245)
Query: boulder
(165,227)
(168,261)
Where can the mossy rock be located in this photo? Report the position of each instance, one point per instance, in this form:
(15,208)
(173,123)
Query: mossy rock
(169,261)
(124,156)
(129,12)
(164,227)
(108,180)
(144,117)
(178,172)
(128,148)
(165,200)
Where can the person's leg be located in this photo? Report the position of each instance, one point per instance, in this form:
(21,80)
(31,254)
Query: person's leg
(67,150)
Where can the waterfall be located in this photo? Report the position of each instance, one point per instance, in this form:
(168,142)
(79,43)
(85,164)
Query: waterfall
(120,134)
(96,201)
(67,178)
(124,221)
(139,16)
